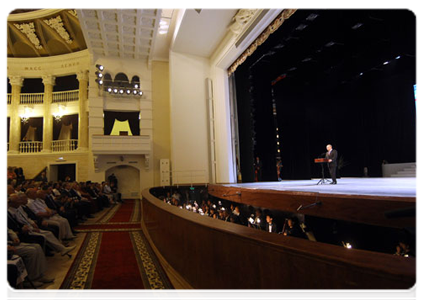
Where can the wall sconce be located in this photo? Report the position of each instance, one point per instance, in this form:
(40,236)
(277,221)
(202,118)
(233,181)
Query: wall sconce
(60,113)
(27,114)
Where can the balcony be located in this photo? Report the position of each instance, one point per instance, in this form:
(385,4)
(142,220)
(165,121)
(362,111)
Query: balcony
(115,144)
(9,98)
(64,145)
(32,98)
(66,96)
(38,98)
(30,147)
(56,146)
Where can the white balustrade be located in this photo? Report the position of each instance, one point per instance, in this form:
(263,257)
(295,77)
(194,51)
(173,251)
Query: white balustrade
(30,147)
(9,98)
(115,144)
(32,98)
(64,145)
(66,96)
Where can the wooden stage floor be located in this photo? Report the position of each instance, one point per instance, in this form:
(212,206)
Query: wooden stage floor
(387,186)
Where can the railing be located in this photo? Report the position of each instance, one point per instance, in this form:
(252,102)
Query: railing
(115,144)
(284,262)
(9,98)
(64,145)
(65,96)
(30,147)
(32,98)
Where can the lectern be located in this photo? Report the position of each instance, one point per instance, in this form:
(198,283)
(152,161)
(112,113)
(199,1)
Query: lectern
(322,161)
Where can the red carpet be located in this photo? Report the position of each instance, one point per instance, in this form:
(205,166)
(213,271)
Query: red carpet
(125,211)
(116,260)
(115,254)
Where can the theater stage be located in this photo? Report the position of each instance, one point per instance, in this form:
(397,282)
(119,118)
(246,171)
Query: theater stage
(362,200)
(388,186)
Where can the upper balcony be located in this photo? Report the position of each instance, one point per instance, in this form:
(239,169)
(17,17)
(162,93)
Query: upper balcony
(38,98)
(117,144)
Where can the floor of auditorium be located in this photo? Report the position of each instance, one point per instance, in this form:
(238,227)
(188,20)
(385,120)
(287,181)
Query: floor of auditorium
(59,266)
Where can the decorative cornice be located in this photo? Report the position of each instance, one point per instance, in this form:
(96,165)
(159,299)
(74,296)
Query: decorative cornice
(241,19)
(29,30)
(73,13)
(284,15)
(49,79)
(16,80)
(40,13)
(57,24)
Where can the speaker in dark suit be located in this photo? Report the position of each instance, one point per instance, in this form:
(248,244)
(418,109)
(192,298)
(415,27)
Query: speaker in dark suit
(332,155)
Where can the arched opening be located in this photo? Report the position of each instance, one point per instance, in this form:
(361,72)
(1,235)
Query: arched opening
(128,180)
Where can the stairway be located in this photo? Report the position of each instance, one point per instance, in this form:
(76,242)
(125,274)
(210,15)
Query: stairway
(406,172)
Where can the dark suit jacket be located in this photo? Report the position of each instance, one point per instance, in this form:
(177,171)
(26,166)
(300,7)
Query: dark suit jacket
(333,155)
(274,227)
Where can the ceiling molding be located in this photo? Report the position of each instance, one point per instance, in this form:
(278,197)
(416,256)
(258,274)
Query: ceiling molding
(42,13)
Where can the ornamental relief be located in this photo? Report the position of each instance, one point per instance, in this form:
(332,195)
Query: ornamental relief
(57,24)
(29,30)
(241,19)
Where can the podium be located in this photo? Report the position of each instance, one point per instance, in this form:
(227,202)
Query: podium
(322,161)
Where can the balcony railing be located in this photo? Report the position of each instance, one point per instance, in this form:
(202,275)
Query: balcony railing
(32,98)
(65,96)
(30,147)
(9,98)
(64,145)
(113,144)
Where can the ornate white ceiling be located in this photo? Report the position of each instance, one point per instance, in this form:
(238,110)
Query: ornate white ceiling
(121,33)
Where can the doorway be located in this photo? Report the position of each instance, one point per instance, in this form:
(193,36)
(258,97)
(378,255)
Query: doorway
(59,172)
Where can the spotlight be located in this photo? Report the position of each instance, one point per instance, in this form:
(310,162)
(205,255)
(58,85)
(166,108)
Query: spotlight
(100,67)
(136,86)
(361,74)
(99,74)
(120,91)
(386,62)
(115,90)
(140,93)
(109,89)
(128,91)
(398,57)
(135,92)
(99,81)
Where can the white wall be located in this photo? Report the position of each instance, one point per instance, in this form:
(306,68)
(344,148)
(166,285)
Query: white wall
(128,181)
(189,115)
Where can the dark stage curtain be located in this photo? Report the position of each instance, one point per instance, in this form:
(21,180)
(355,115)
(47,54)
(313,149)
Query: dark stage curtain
(66,120)
(33,122)
(132,117)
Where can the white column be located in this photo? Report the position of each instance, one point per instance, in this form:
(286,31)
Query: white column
(48,82)
(15,121)
(83,113)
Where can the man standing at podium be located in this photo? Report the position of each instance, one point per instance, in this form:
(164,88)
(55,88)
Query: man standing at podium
(332,156)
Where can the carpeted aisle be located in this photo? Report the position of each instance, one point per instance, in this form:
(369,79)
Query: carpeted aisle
(115,254)
(116,260)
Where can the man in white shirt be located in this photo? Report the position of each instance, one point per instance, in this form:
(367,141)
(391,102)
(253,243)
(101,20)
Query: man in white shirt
(39,207)
(15,209)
